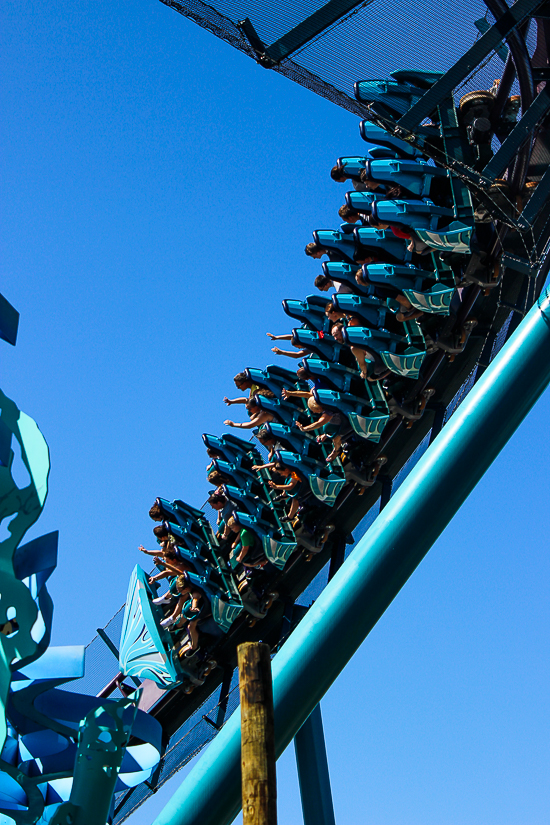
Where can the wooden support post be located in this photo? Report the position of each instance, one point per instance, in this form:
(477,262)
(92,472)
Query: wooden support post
(259,786)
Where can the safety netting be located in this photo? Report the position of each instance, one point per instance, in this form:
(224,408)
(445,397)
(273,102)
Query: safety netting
(371,41)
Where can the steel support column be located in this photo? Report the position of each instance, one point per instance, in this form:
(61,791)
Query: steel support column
(313,775)
(376,570)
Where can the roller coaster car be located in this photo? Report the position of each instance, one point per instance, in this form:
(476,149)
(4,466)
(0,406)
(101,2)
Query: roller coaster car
(344,273)
(393,97)
(185,516)
(389,348)
(336,376)
(310,312)
(353,166)
(363,201)
(374,134)
(371,310)
(340,244)
(273,378)
(367,418)
(417,285)
(290,439)
(322,481)
(285,412)
(323,345)
(232,449)
(271,546)
(245,479)
(381,243)
(192,546)
(240,500)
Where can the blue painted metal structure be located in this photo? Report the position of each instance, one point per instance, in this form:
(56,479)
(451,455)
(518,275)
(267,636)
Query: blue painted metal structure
(364,587)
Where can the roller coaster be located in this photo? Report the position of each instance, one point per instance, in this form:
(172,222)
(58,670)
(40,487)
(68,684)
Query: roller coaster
(442,253)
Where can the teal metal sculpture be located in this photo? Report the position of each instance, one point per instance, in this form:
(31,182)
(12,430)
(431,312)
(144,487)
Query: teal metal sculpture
(38,722)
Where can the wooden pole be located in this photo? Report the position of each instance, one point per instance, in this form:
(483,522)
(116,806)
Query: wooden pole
(259,785)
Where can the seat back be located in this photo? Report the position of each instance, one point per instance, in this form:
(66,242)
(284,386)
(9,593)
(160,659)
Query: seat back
(362,201)
(387,97)
(399,277)
(416,214)
(371,310)
(369,426)
(382,242)
(414,175)
(343,273)
(326,347)
(376,135)
(336,375)
(290,439)
(310,312)
(408,364)
(340,242)
(323,482)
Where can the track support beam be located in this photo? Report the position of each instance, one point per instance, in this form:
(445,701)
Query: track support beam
(313,775)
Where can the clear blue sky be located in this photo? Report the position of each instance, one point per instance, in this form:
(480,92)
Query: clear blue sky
(158,190)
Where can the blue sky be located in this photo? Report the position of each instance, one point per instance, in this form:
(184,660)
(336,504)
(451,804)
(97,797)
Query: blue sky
(158,190)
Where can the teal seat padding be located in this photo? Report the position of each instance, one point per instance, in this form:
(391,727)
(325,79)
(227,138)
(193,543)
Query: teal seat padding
(243,501)
(354,165)
(371,310)
(243,478)
(414,214)
(367,419)
(233,448)
(382,240)
(325,347)
(339,241)
(343,273)
(310,312)
(363,201)
(323,482)
(399,277)
(375,134)
(337,375)
(389,98)
(414,175)
(285,411)
(290,438)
